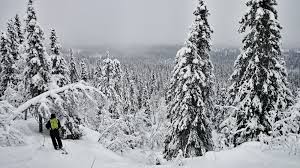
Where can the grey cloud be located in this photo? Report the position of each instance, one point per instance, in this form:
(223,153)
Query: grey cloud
(98,22)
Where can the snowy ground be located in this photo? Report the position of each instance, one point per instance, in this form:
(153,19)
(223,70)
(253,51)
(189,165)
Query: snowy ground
(83,152)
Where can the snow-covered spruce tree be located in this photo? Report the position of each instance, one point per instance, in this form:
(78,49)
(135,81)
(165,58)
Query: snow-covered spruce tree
(74,77)
(117,77)
(6,62)
(110,85)
(19,88)
(259,87)
(220,107)
(153,84)
(59,68)
(14,44)
(190,92)
(37,71)
(9,50)
(125,93)
(19,29)
(20,38)
(146,107)
(84,72)
(11,83)
(129,93)
(91,71)
(220,113)
(140,85)
(97,73)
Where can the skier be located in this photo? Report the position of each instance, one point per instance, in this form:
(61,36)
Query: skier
(53,124)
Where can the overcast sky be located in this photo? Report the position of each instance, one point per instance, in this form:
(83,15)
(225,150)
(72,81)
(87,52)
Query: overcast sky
(124,22)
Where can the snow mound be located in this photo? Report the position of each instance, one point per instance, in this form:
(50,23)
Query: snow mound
(38,151)
(11,137)
(8,136)
(248,155)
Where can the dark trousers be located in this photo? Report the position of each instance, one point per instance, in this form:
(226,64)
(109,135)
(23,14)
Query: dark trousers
(56,141)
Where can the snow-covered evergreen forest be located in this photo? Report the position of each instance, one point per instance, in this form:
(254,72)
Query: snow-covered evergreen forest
(164,103)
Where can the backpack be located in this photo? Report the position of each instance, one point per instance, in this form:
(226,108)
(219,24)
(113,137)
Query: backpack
(54,123)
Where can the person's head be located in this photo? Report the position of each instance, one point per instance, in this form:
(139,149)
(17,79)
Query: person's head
(53,116)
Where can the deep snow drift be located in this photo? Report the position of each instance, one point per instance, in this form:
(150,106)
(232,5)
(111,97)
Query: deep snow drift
(82,154)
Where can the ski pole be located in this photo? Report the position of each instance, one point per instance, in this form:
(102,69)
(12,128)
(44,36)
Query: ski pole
(44,141)
(93,162)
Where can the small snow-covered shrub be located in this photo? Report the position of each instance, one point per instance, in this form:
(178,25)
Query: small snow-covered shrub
(70,129)
(159,127)
(14,94)
(286,131)
(154,159)
(224,139)
(179,159)
(289,143)
(118,134)
(131,131)
(221,142)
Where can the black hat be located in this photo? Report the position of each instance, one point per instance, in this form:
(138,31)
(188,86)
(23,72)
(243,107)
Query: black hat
(52,116)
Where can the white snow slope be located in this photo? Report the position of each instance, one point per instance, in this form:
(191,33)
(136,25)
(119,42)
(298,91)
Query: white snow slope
(83,152)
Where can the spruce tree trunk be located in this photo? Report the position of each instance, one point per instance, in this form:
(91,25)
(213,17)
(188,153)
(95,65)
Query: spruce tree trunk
(40,123)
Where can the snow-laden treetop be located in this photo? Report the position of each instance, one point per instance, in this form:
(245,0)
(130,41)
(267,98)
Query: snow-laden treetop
(200,33)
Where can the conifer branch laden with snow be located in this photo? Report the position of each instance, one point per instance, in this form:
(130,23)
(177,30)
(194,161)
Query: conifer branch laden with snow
(259,81)
(190,93)
(54,94)
(55,100)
